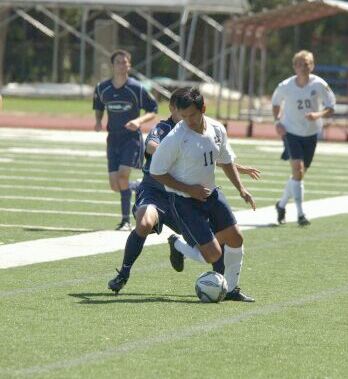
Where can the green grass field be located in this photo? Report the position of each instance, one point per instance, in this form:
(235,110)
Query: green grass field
(58,320)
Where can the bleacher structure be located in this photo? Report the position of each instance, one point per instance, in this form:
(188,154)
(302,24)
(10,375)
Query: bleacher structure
(179,51)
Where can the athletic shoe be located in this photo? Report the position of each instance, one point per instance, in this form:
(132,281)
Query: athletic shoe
(176,258)
(281,213)
(302,221)
(124,226)
(236,295)
(117,283)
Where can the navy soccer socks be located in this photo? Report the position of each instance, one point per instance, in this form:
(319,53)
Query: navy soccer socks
(134,246)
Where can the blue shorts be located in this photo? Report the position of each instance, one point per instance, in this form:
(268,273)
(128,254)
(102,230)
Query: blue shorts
(199,221)
(147,195)
(302,148)
(124,151)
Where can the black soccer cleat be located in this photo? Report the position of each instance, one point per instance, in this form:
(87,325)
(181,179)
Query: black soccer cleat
(281,214)
(176,258)
(117,283)
(302,221)
(124,226)
(236,295)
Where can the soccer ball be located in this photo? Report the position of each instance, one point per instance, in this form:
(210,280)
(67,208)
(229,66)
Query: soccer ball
(211,287)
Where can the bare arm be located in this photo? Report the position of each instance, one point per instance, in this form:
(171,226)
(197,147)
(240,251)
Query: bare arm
(254,173)
(137,122)
(327,112)
(196,191)
(98,120)
(276,114)
(232,174)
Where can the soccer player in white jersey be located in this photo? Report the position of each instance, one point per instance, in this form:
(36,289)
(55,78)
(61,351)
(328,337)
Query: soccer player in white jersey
(299,105)
(185,163)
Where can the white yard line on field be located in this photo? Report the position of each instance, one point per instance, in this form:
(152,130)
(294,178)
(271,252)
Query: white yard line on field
(52,211)
(57,200)
(51,249)
(53,151)
(87,190)
(104,181)
(264,174)
(90,137)
(68,136)
(58,189)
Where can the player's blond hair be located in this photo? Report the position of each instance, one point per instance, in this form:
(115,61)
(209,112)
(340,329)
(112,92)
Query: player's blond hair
(303,54)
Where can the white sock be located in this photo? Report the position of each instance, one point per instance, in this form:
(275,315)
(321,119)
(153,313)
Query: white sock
(298,191)
(188,251)
(287,193)
(233,260)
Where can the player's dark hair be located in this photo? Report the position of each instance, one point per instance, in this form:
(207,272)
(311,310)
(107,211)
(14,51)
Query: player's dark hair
(190,96)
(176,94)
(120,52)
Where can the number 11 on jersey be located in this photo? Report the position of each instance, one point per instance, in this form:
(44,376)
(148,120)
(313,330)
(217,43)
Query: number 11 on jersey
(206,158)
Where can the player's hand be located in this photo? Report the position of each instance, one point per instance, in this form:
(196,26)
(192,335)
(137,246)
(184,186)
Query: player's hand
(280,129)
(133,125)
(244,194)
(98,127)
(312,116)
(199,192)
(254,173)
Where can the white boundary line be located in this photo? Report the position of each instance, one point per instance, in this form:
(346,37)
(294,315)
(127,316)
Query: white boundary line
(51,211)
(51,249)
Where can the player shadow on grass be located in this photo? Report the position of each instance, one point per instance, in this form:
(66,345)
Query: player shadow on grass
(88,298)
(53,229)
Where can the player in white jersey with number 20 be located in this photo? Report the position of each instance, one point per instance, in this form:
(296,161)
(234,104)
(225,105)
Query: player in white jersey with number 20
(299,104)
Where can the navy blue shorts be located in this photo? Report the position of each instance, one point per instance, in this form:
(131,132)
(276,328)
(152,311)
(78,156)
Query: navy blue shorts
(159,199)
(198,220)
(297,147)
(124,152)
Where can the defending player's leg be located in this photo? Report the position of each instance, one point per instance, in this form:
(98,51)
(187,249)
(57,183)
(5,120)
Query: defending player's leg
(134,185)
(179,249)
(146,218)
(134,246)
(176,257)
(118,282)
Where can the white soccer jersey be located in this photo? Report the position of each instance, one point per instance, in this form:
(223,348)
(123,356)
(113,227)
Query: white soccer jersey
(297,101)
(191,157)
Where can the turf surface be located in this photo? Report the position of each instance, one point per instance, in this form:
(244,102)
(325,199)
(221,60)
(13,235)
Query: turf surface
(58,320)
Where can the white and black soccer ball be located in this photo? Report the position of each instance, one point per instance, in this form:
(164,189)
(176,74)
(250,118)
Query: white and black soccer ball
(211,287)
